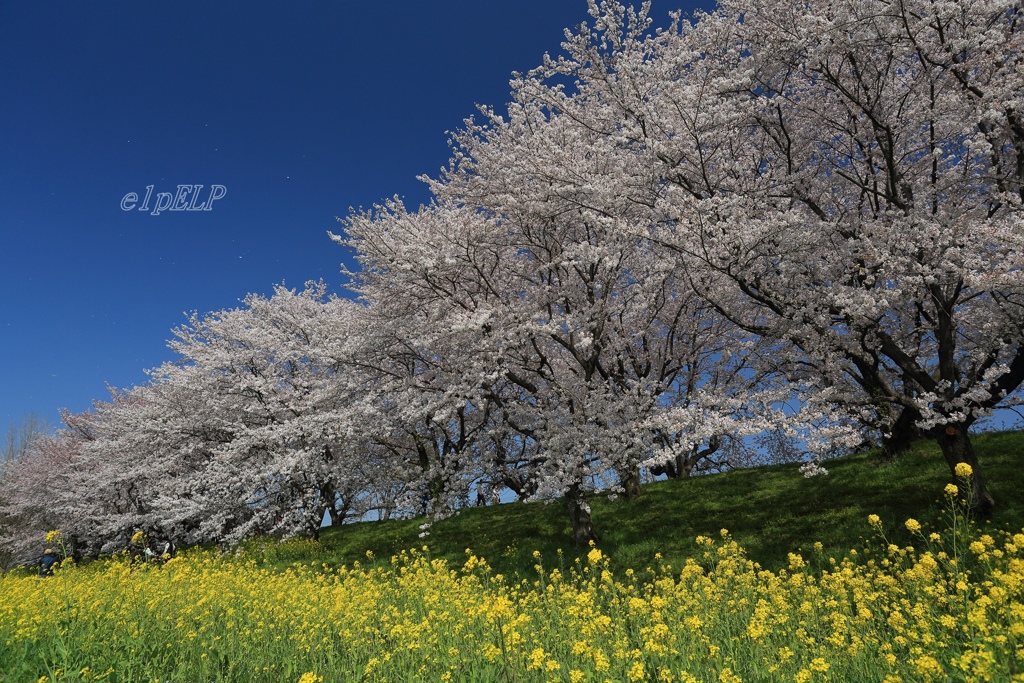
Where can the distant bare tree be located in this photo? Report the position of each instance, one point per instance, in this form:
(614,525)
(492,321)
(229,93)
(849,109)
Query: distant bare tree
(20,435)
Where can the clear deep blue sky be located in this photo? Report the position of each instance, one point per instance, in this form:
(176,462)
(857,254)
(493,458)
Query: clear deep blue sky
(300,110)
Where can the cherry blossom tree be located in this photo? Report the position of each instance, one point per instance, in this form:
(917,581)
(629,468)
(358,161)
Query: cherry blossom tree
(255,429)
(276,437)
(430,396)
(33,495)
(570,333)
(841,178)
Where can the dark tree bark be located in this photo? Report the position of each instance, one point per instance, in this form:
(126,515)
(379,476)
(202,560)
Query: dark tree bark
(956,446)
(682,466)
(904,432)
(583,530)
(631,483)
(523,486)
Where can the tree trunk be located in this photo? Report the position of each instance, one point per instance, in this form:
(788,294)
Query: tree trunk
(523,486)
(668,469)
(956,447)
(340,513)
(903,433)
(329,499)
(631,483)
(583,530)
(684,466)
(680,467)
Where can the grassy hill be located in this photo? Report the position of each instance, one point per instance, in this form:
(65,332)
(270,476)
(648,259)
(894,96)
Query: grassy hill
(770,511)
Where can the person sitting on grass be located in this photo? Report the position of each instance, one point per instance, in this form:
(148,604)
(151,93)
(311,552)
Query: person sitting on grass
(47,562)
(160,553)
(137,547)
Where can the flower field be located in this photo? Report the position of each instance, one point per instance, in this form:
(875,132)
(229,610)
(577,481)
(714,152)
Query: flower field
(951,608)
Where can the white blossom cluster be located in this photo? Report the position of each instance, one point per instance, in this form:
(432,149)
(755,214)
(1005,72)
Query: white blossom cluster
(812,469)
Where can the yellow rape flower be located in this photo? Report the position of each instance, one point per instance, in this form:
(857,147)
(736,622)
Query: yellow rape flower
(818,664)
(537,657)
(928,666)
(653,625)
(726,675)
(963,470)
(913,526)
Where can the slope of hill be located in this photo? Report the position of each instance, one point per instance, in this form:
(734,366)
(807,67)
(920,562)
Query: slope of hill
(770,511)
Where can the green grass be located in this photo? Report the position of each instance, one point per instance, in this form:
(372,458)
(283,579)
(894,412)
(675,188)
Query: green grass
(770,511)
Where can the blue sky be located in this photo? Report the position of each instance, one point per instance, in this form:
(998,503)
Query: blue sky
(299,110)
